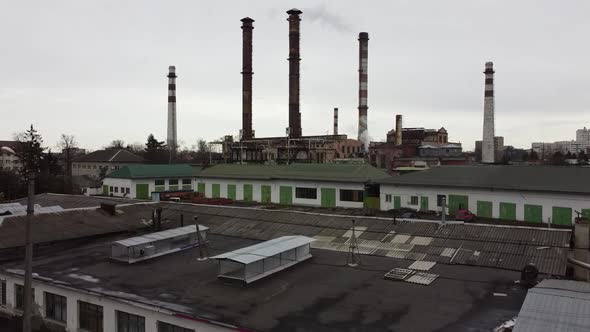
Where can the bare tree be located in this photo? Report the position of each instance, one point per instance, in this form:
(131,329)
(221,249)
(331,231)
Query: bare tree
(116,144)
(68,143)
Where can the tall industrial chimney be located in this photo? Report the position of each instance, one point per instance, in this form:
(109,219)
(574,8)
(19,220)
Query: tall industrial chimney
(247,78)
(398,129)
(363,134)
(488,150)
(335,121)
(294,58)
(172,138)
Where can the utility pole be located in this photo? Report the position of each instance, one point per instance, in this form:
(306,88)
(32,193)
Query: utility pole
(27,303)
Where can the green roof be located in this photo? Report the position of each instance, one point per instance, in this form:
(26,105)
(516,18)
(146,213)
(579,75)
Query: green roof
(155,171)
(314,172)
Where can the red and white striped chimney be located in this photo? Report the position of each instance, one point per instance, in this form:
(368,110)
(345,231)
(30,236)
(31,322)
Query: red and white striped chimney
(171,137)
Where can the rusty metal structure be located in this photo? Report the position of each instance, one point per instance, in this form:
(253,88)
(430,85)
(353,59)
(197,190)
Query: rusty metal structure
(363,88)
(294,59)
(247,28)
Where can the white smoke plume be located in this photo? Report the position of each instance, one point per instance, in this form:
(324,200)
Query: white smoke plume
(320,15)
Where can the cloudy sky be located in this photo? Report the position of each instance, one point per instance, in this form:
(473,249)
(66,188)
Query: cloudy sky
(97,69)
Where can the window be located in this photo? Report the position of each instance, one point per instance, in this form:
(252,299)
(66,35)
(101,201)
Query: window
(165,327)
(130,323)
(160,183)
(116,189)
(93,166)
(111,188)
(414,200)
(90,316)
(127,190)
(388,198)
(308,193)
(439,199)
(173,182)
(19,295)
(186,181)
(351,195)
(55,307)
(2,292)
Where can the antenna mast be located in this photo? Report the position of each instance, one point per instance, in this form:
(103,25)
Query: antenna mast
(354,258)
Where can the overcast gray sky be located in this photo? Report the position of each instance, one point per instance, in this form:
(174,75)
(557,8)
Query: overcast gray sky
(97,69)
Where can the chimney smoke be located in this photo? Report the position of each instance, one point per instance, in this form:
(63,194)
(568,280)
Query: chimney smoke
(398,129)
(294,59)
(488,149)
(247,28)
(363,134)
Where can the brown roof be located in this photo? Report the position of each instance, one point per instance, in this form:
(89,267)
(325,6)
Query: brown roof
(111,156)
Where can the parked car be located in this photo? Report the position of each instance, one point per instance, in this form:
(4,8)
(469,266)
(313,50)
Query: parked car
(407,213)
(465,215)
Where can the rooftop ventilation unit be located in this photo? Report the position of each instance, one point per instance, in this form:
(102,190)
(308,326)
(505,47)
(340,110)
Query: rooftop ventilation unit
(258,261)
(152,245)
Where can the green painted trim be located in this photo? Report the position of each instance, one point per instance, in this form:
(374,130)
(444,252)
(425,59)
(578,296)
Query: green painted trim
(533,213)
(484,209)
(215,190)
(286,195)
(507,211)
(265,194)
(231,191)
(561,216)
(328,198)
(248,193)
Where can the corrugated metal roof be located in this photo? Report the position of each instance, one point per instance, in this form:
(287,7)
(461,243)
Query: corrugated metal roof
(555,305)
(157,236)
(265,249)
(111,156)
(530,178)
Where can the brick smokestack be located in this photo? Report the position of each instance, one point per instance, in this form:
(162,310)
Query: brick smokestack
(171,137)
(247,78)
(398,129)
(294,59)
(488,150)
(363,134)
(335,120)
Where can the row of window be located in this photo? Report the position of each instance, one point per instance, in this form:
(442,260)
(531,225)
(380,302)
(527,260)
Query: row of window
(173,182)
(93,166)
(124,190)
(90,316)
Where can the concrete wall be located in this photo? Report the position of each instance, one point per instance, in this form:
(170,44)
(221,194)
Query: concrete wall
(129,183)
(520,198)
(275,190)
(152,314)
(93,168)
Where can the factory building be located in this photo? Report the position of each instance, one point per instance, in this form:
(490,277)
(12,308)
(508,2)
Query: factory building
(293,146)
(537,194)
(99,163)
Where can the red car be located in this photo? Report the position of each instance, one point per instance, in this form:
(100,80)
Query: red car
(465,215)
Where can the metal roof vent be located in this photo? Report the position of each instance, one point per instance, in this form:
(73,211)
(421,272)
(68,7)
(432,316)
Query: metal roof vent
(152,245)
(258,261)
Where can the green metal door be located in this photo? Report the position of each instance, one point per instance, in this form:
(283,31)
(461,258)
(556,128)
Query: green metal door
(423,203)
(561,216)
(533,213)
(265,192)
(231,191)
(215,190)
(397,202)
(484,209)
(286,195)
(105,190)
(585,213)
(328,197)
(248,192)
(456,202)
(201,188)
(142,190)
(507,211)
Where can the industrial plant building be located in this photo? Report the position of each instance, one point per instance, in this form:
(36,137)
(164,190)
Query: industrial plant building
(99,163)
(435,276)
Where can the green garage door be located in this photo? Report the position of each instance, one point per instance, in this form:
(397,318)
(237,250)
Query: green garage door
(533,213)
(423,203)
(561,216)
(231,191)
(286,195)
(456,202)
(248,193)
(397,202)
(142,190)
(507,211)
(328,197)
(266,194)
(484,209)
(105,190)
(215,190)
(201,188)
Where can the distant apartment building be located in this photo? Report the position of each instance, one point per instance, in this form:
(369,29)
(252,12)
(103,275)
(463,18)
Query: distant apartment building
(9,161)
(99,163)
(582,143)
